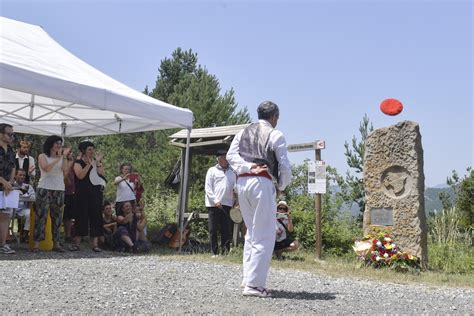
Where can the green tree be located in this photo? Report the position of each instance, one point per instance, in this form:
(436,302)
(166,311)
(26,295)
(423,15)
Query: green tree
(185,83)
(463,196)
(352,186)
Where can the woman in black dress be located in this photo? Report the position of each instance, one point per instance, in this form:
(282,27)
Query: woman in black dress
(90,183)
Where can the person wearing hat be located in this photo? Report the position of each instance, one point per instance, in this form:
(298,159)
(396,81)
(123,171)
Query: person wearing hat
(284,226)
(259,156)
(220,182)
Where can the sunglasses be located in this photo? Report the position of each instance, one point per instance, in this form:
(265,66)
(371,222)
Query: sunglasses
(283,208)
(9,134)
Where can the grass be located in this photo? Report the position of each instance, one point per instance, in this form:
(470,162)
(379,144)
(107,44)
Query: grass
(337,267)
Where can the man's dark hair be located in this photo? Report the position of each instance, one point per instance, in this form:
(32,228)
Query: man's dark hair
(267,109)
(83,146)
(106,203)
(49,143)
(4,126)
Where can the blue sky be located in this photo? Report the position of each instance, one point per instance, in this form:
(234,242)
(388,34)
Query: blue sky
(325,63)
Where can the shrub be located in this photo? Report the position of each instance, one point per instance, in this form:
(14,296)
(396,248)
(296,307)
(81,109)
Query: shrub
(450,247)
(451,258)
(338,233)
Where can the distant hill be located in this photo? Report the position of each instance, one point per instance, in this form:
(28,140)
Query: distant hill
(432,201)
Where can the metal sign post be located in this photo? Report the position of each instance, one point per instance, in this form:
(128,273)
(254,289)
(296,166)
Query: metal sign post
(317,224)
(317,146)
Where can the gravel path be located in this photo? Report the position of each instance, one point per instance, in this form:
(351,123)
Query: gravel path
(84,282)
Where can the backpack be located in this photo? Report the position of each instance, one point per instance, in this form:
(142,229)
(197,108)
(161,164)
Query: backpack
(174,177)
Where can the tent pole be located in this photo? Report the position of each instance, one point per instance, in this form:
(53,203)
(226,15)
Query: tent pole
(63,130)
(184,192)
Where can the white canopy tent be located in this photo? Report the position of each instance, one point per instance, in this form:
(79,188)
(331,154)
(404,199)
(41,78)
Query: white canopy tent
(44,85)
(45,90)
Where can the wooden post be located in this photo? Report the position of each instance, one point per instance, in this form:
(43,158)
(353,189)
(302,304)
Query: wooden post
(317,146)
(317,206)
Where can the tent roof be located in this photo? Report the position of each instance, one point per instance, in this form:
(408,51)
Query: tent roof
(44,89)
(209,140)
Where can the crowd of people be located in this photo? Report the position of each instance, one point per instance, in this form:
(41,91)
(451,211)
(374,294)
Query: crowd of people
(256,168)
(70,189)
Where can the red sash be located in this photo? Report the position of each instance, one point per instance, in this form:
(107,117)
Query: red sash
(264,174)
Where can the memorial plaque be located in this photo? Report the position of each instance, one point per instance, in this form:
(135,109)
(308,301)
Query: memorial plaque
(381,216)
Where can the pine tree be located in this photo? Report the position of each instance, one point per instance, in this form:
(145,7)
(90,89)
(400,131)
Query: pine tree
(352,186)
(185,83)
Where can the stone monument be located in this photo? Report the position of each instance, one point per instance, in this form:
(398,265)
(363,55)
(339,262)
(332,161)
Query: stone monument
(394,186)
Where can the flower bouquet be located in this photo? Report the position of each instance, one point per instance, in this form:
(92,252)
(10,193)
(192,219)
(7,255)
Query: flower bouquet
(381,251)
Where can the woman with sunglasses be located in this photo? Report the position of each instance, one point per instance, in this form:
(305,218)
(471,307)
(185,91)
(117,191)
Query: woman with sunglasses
(54,163)
(284,226)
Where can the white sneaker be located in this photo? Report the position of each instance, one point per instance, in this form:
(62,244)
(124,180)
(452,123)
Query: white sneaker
(256,291)
(5,249)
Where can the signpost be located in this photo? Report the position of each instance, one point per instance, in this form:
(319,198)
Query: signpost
(318,170)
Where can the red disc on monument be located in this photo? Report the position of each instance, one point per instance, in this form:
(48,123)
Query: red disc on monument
(391,107)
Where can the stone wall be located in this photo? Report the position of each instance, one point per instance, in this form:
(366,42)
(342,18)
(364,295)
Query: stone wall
(394,186)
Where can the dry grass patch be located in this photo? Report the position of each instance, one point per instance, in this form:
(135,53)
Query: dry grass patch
(336,267)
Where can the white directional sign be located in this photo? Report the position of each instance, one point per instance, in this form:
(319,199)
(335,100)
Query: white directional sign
(319,144)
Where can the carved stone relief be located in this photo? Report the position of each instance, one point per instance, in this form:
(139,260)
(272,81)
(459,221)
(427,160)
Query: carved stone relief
(396,182)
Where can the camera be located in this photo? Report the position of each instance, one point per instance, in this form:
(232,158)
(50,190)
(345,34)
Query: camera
(282,215)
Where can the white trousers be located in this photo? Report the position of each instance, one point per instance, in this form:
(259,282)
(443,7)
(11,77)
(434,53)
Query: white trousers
(258,206)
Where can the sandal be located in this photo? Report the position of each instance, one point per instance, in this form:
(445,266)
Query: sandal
(96,249)
(74,248)
(256,291)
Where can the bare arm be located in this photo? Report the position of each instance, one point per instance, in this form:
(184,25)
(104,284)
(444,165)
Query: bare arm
(141,222)
(121,178)
(125,219)
(99,164)
(81,172)
(67,161)
(290,223)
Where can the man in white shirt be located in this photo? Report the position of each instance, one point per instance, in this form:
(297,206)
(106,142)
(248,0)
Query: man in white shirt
(220,182)
(25,162)
(259,156)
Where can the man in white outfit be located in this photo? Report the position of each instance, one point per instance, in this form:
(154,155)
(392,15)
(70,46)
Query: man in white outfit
(259,156)
(220,183)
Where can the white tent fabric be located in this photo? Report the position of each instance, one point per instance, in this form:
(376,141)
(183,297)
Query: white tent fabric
(44,90)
